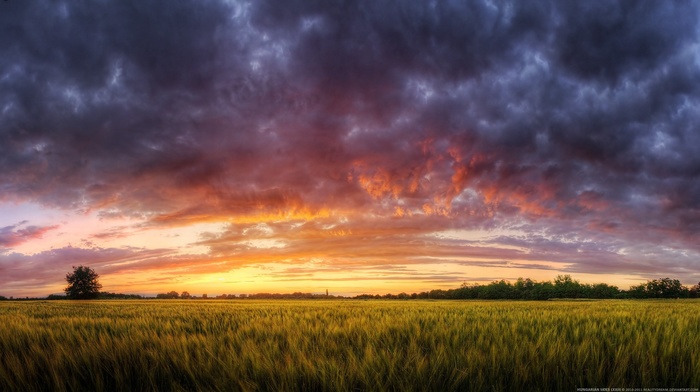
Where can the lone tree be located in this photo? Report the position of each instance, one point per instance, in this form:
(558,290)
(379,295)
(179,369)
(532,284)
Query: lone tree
(82,283)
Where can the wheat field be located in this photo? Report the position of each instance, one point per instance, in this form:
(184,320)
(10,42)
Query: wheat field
(348,345)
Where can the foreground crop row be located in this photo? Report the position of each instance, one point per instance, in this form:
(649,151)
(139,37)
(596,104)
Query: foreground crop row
(348,345)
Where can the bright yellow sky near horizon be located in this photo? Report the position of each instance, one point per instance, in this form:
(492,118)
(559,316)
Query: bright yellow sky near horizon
(173,258)
(235,146)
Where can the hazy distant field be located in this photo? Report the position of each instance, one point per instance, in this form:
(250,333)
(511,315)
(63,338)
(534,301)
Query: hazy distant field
(348,345)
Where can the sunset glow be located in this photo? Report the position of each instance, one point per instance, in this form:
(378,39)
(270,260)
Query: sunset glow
(357,147)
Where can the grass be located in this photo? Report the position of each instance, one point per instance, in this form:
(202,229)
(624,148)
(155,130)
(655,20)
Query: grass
(348,345)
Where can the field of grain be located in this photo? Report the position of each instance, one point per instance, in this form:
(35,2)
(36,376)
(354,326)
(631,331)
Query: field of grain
(348,345)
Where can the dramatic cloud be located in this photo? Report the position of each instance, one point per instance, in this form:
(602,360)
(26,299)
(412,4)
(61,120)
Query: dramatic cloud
(357,133)
(14,235)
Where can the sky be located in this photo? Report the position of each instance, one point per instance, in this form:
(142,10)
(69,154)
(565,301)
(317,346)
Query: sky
(356,146)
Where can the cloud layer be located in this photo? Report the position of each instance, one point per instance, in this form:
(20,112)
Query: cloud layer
(359,130)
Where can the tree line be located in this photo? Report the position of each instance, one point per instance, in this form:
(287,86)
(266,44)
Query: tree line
(564,286)
(297,295)
(83,283)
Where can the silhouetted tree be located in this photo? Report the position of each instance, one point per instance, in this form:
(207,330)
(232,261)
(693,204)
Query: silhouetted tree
(602,290)
(497,290)
(185,295)
(666,288)
(170,295)
(566,287)
(660,288)
(694,292)
(82,283)
(105,295)
(638,291)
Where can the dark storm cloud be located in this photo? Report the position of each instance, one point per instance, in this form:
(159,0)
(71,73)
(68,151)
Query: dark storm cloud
(561,109)
(574,116)
(96,94)
(613,40)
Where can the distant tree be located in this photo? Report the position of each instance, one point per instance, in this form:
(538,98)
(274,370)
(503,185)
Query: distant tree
(105,295)
(497,290)
(185,295)
(666,288)
(168,295)
(694,291)
(435,294)
(543,290)
(660,288)
(566,287)
(602,290)
(2,298)
(82,283)
(638,291)
(524,288)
